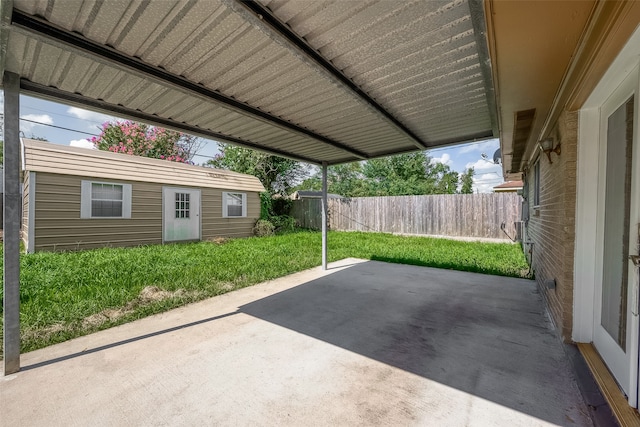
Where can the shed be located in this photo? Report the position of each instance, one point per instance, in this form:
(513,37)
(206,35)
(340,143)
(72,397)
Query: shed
(76,198)
(508,187)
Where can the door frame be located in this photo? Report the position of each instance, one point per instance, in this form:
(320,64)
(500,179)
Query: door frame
(590,175)
(199,213)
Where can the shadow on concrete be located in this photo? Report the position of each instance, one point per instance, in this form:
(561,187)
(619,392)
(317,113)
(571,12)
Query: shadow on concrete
(485,335)
(123,342)
(469,265)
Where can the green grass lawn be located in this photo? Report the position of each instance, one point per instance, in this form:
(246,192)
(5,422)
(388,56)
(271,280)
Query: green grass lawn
(65,295)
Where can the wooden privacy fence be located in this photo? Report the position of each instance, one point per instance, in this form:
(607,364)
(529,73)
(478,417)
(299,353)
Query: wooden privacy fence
(459,215)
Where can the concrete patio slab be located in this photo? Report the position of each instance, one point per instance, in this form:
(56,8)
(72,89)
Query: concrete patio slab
(365,343)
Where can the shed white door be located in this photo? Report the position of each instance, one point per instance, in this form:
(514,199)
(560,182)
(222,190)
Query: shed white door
(181,214)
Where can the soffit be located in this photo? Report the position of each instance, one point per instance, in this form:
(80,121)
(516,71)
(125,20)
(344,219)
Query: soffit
(401,76)
(532,44)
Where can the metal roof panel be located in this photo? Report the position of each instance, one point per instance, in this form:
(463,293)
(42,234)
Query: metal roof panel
(285,75)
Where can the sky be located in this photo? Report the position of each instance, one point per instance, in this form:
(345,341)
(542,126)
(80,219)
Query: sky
(67,125)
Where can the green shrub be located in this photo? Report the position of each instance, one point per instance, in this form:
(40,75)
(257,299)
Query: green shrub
(283,223)
(265,205)
(263,228)
(276,212)
(281,206)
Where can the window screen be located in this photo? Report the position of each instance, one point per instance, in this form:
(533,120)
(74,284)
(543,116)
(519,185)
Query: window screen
(234,204)
(536,184)
(106,200)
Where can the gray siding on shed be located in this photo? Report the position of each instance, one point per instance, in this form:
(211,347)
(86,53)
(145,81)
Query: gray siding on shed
(57,216)
(58,225)
(214,225)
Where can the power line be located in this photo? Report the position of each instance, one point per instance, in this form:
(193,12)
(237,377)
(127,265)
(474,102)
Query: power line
(58,127)
(89,133)
(61,114)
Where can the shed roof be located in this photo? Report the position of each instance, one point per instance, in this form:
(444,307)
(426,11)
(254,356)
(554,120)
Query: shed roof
(509,185)
(318,81)
(41,156)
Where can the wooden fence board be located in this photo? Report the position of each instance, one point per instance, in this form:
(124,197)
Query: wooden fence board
(459,215)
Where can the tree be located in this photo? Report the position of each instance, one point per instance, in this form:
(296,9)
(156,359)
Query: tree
(139,139)
(404,174)
(409,174)
(399,175)
(466,181)
(445,181)
(277,174)
(346,180)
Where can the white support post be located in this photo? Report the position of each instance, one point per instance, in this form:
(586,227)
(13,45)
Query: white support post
(324,215)
(11,218)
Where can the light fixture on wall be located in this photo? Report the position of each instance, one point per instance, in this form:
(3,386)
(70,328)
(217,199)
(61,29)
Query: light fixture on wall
(547,148)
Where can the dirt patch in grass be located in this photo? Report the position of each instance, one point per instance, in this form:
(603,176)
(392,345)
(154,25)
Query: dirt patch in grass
(227,286)
(148,295)
(218,240)
(43,333)
(153,293)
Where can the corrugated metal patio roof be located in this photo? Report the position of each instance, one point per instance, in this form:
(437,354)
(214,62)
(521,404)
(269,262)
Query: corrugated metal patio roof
(316,81)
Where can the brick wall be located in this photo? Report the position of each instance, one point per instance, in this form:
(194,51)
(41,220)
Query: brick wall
(551,226)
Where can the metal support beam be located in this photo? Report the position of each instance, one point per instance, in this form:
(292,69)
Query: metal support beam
(265,15)
(11,217)
(476,8)
(57,95)
(324,215)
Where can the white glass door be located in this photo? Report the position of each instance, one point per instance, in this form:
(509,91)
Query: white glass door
(615,318)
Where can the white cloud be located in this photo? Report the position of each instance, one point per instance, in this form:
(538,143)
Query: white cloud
(90,116)
(82,143)
(484,183)
(483,165)
(488,147)
(41,118)
(35,121)
(445,159)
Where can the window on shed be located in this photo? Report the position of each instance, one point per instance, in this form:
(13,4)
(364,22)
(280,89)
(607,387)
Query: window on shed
(105,200)
(182,205)
(234,205)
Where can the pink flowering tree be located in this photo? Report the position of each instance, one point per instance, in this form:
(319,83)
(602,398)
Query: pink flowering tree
(139,139)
